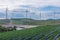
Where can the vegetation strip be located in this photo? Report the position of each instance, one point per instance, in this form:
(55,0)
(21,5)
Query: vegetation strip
(50,34)
(55,38)
(37,33)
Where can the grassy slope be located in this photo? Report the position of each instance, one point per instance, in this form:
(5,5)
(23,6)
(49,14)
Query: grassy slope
(32,33)
(4,21)
(30,21)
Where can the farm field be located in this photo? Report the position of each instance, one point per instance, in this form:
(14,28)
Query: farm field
(29,20)
(48,32)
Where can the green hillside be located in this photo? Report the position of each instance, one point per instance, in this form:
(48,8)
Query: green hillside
(4,21)
(28,21)
(48,32)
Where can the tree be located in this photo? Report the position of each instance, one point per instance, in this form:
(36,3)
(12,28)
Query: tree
(14,28)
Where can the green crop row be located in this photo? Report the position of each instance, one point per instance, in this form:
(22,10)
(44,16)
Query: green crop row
(38,33)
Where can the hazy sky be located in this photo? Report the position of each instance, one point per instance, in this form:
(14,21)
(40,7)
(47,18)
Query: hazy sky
(35,3)
(12,4)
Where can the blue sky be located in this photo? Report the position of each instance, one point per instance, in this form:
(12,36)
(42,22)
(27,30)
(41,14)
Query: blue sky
(45,7)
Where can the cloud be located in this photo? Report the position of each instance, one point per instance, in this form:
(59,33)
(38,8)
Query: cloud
(35,3)
(16,4)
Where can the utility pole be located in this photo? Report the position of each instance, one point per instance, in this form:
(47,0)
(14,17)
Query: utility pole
(26,13)
(10,23)
(26,16)
(54,16)
(7,13)
(30,14)
(40,15)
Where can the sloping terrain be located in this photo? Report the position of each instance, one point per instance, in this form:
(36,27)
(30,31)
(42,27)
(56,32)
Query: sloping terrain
(24,21)
(48,32)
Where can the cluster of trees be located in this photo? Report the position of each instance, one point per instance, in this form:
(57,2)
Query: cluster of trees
(5,29)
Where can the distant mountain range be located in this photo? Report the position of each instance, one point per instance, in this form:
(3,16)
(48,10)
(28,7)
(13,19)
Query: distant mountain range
(50,8)
(27,21)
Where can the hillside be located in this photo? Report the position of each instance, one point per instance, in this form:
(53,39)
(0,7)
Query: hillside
(25,21)
(48,32)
